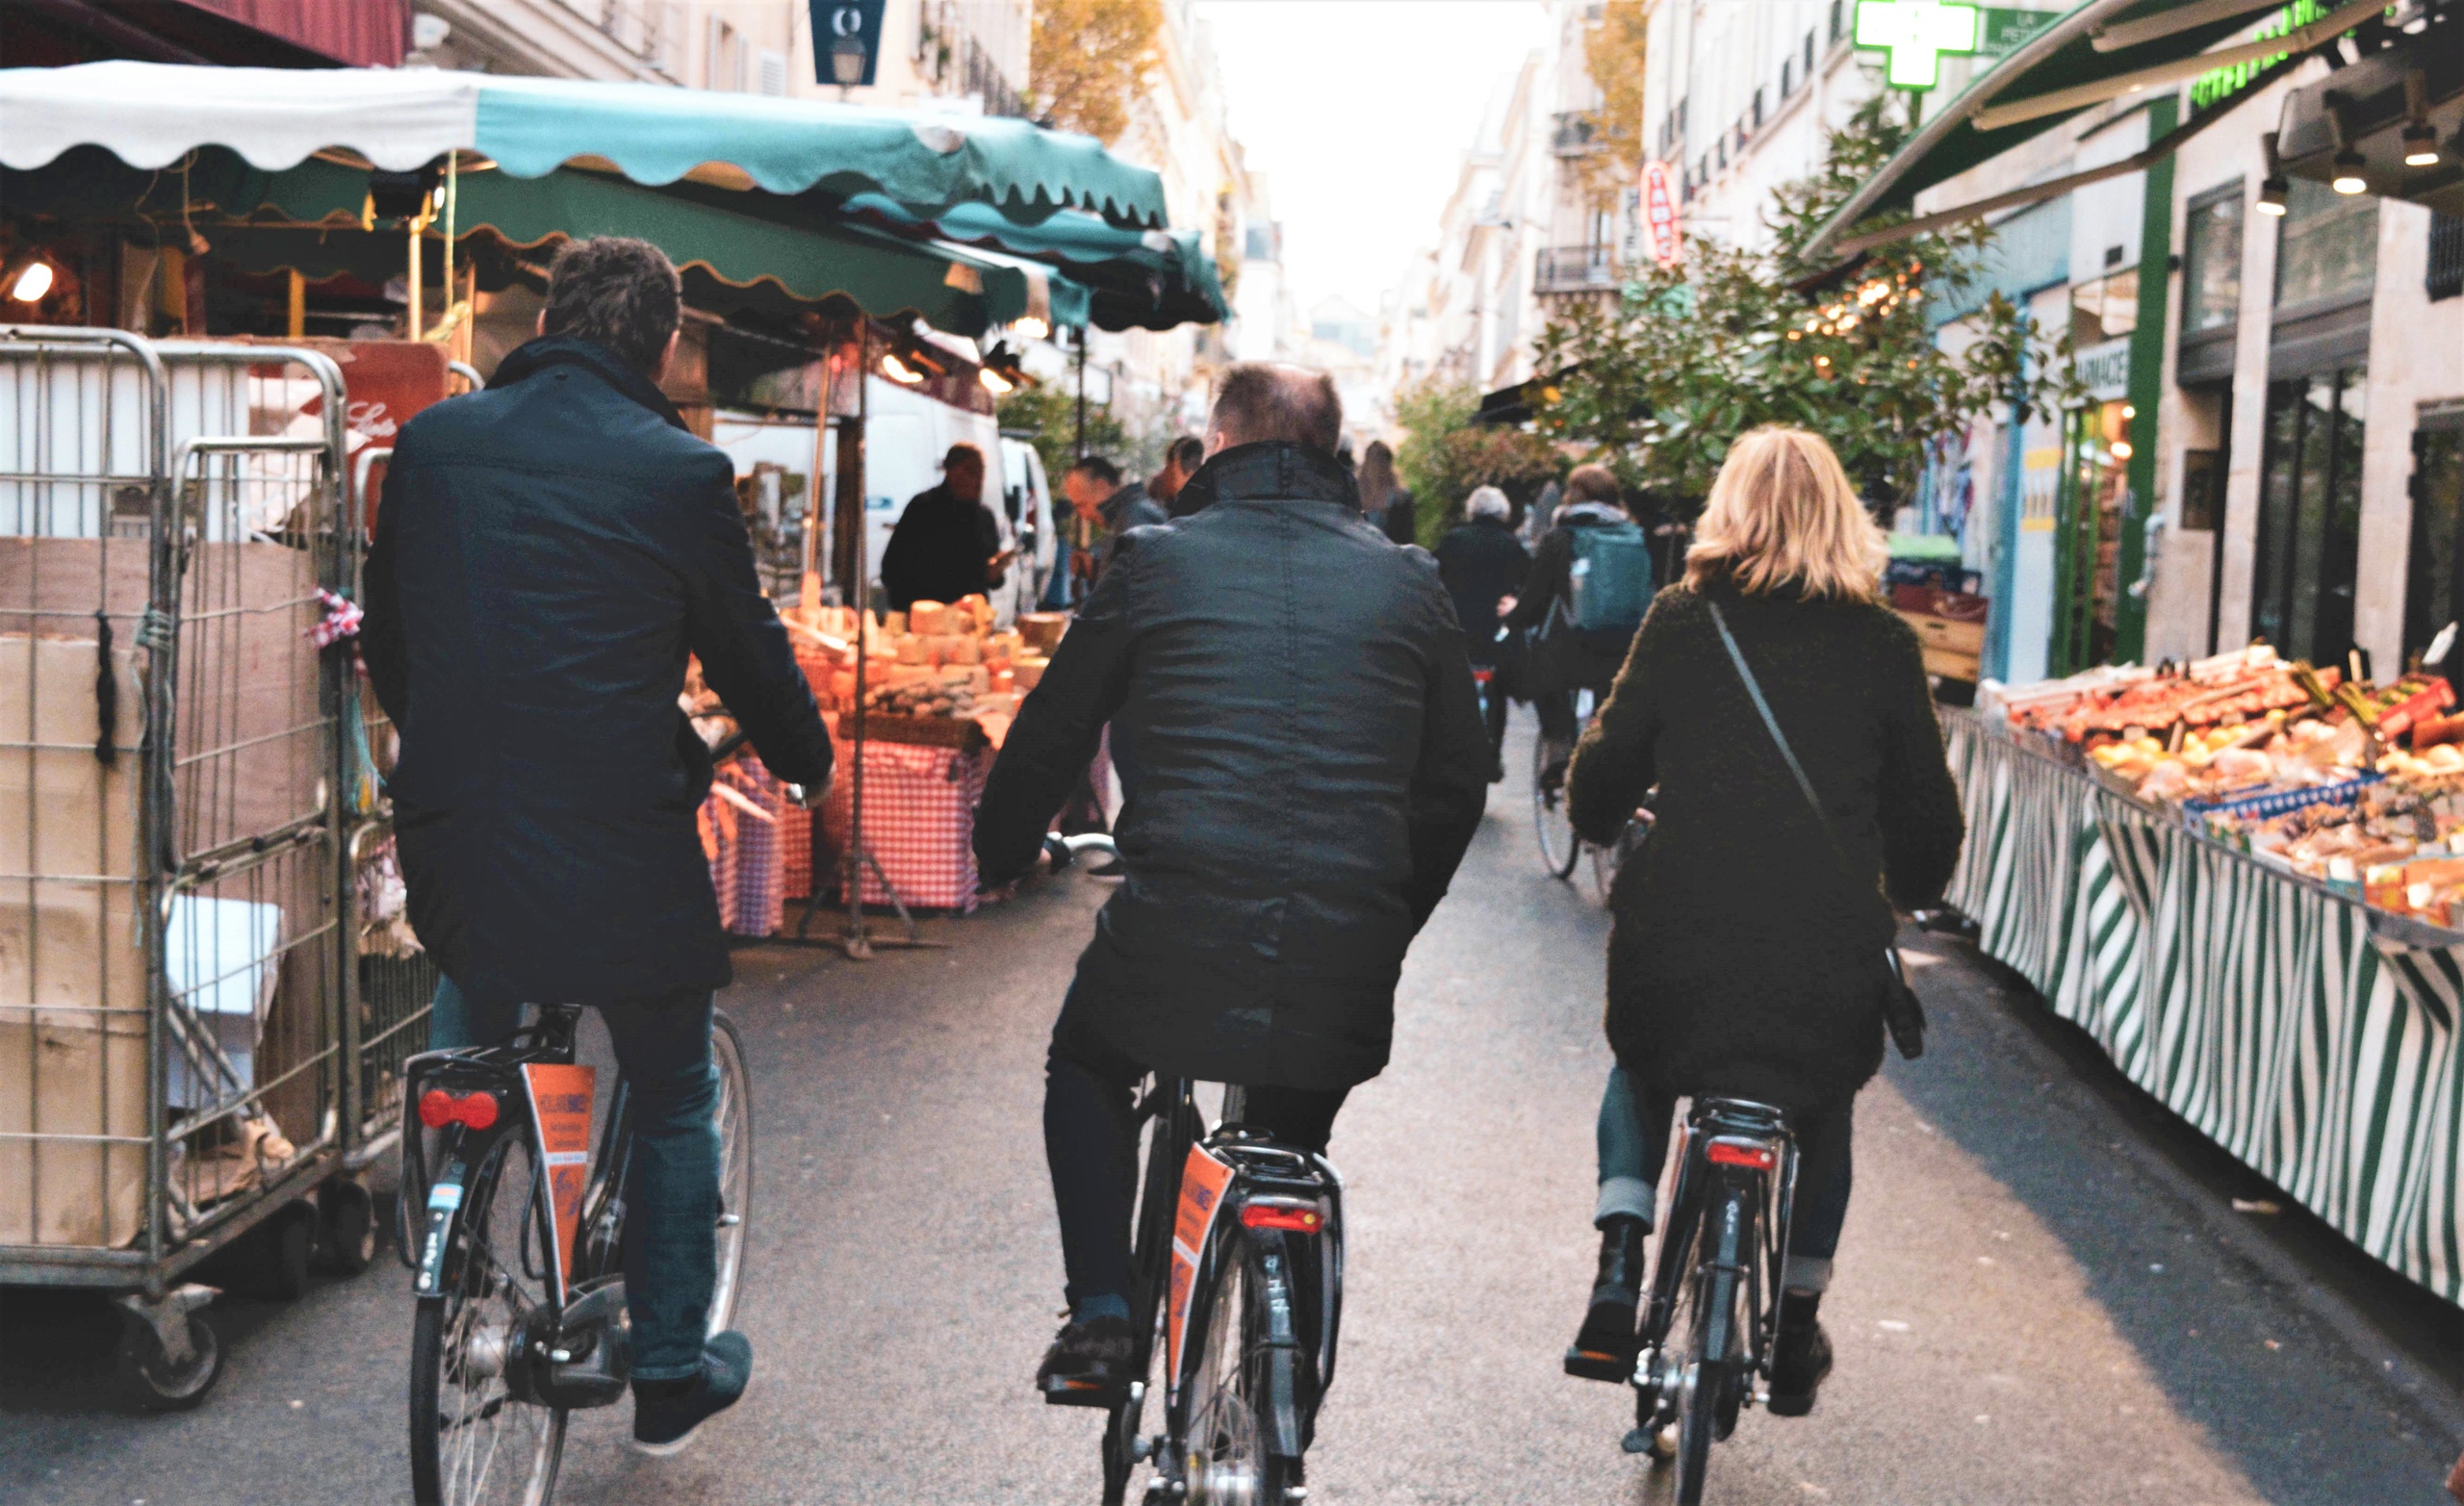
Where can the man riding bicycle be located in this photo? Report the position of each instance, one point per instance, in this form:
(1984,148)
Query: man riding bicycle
(1312,766)
(549,552)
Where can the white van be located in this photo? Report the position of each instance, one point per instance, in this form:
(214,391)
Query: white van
(1027,499)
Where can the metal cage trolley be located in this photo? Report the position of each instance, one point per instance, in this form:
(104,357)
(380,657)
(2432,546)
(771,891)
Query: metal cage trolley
(179,1027)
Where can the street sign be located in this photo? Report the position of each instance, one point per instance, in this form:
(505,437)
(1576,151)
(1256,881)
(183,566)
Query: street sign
(1660,229)
(1917,32)
(843,31)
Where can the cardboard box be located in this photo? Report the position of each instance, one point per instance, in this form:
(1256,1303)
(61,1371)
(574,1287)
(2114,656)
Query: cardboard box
(69,1067)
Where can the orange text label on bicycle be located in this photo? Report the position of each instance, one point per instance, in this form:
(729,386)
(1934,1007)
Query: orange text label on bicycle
(1203,1179)
(560,1098)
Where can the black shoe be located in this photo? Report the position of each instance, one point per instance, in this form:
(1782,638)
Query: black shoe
(1800,1355)
(666,1414)
(1605,1350)
(1552,769)
(1088,1364)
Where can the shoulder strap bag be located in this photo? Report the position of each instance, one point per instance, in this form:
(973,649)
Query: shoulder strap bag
(1902,1012)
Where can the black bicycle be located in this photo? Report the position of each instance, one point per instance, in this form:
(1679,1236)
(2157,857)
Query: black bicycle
(1713,1308)
(1238,1267)
(519,1252)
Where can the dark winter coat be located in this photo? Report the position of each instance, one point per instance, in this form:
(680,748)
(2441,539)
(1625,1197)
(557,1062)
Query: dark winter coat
(1744,960)
(939,549)
(1483,563)
(1130,507)
(548,552)
(1402,519)
(1311,768)
(1560,660)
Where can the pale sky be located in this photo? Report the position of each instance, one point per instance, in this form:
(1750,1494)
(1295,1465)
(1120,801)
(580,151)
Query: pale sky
(1359,112)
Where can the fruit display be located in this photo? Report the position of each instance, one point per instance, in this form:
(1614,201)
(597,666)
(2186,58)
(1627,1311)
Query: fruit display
(933,660)
(2355,785)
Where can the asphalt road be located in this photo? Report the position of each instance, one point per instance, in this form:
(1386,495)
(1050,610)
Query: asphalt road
(2029,1306)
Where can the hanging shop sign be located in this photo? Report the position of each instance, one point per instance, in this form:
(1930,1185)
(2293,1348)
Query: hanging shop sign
(1661,230)
(2104,370)
(846,41)
(1916,33)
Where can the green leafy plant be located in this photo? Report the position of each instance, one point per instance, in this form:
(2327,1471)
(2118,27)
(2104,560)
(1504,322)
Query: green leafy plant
(1444,455)
(1049,417)
(1661,381)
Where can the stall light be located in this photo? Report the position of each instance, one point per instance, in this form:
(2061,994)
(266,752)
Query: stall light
(900,371)
(2129,412)
(2120,449)
(1029,327)
(2348,179)
(32,281)
(2421,145)
(2272,187)
(998,385)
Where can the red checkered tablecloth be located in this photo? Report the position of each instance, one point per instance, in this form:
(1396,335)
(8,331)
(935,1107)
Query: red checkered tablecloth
(748,855)
(919,821)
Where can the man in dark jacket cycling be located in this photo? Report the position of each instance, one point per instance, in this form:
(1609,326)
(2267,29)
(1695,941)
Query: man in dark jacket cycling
(549,552)
(1312,767)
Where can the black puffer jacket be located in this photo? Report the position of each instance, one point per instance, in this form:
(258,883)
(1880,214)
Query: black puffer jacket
(1311,767)
(1481,563)
(1744,959)
(548,552)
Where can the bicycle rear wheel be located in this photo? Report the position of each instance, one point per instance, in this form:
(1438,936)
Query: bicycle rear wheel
(1707,1396)
(1232,1389)
(1151,1270)
(473,1441)
(1559,846)
(735,1168)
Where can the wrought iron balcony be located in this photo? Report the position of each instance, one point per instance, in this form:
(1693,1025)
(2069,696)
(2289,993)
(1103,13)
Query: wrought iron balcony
(1578,268)
(1572,133)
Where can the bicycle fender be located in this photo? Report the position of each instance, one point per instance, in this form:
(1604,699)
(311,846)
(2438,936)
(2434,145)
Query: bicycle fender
(444,1206)
(1282,1419)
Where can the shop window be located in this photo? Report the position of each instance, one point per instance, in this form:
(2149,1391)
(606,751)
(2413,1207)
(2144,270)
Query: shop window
(2446,277)
(2310,514)
(2434,590)
(2095,483)
(2212,262)
(2328,245)
(2105,309)
(2202,489)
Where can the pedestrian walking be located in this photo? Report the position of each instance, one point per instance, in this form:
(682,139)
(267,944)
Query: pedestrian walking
(1584,596)
(1385,501)
(1182,458)
(1747,957)
(1299,693)
(947,544)
(1483,563)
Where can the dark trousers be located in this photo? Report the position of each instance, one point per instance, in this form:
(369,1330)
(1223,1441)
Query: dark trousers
(1634,1127)
(1494,702)
(671,1253)
(1555,709)
(1090,1141)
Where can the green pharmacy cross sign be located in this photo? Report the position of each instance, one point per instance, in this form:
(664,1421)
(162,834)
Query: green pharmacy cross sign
(1917,32)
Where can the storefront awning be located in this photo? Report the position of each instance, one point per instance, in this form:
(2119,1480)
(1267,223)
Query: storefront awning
(2100,51)
(307,219)
(1138,279)
(153,115)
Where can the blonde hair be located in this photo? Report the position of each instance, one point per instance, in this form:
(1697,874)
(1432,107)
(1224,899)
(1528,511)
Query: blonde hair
(1782,513)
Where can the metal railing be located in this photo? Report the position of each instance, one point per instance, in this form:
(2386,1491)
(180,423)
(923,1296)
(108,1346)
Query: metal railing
(1576,268)
(1573,132)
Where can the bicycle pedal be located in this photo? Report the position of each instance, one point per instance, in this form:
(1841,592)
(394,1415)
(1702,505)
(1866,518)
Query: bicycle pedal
(1062,1392)
(1594,1364)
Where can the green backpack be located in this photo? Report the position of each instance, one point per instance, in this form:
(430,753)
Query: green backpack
(1611,581)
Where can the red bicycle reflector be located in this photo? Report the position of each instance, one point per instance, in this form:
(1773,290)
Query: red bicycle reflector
(1728,1153)
(1278,1215)
(439,1109)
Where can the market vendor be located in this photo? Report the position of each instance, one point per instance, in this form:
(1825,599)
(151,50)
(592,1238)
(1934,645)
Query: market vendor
(946,545)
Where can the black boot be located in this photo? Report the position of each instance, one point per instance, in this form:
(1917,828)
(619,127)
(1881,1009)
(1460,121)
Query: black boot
(1800,1354)
(1605,1350)
(1089,1362)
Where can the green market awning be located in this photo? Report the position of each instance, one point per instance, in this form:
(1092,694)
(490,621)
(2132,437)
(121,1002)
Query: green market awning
(153,115)
(307,219)
(2100,51)
(1138,279)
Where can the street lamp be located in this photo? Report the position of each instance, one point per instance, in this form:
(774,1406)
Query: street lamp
(847,64)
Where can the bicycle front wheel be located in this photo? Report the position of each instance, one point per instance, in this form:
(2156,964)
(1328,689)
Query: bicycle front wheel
(473,1441)
(1559,846)
(736,1169)
(1232,1391)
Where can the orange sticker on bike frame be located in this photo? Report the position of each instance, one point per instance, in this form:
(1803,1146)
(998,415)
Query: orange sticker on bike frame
(560,1100)
(1203,1179)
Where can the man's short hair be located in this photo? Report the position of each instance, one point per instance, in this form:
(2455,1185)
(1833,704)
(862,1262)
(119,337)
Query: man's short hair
(1187,452)
(1098,469)
(619,292)
(1264,401)
(1593,484)
(963,454)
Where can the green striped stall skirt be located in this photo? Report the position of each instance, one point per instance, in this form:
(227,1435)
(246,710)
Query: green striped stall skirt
(2313,1041)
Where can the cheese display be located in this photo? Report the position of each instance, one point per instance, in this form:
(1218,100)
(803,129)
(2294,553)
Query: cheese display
(934,661)
(2355,785)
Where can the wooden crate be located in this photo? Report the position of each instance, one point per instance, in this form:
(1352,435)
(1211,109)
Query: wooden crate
(1952,649)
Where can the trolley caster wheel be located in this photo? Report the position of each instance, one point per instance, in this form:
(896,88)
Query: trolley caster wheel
(346,1227)
(168,1355)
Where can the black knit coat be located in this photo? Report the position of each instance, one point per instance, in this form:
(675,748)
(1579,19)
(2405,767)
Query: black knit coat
(1746,958)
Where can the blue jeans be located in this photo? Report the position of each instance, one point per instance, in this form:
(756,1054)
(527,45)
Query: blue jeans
(671,1252)
(1634,1125)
